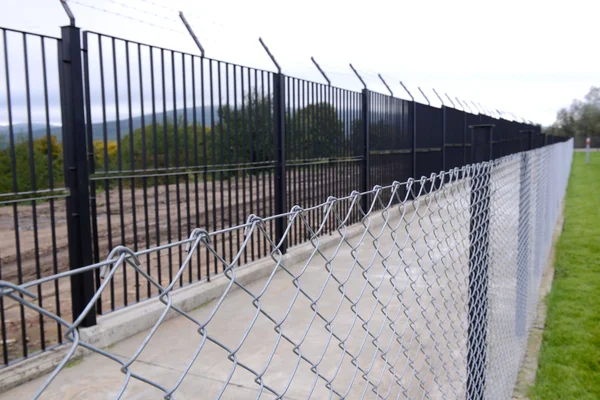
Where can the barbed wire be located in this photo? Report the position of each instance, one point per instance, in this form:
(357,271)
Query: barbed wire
(372,75)
(104,10)
(143,11)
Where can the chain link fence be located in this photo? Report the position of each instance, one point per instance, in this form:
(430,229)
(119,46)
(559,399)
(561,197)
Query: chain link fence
(430,295)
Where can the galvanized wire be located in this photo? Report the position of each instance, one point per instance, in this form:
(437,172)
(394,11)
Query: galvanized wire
(384,303)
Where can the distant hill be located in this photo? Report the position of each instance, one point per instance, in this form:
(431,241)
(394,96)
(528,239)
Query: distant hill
(20,130)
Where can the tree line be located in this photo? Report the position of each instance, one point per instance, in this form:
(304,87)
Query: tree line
(241,135)
(581,118)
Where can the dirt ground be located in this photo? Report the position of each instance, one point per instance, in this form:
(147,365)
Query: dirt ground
(143,217)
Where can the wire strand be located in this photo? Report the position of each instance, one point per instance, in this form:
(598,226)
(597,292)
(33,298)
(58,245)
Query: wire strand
(78,2)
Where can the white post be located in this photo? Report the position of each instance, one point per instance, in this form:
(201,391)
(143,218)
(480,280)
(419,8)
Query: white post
(587,150)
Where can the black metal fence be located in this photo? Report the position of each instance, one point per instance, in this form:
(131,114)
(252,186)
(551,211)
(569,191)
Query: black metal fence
(128,143)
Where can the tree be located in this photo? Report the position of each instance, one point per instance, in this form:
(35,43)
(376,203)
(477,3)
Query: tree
(581,118)
(244,133)
(315,131)
(43,151)
(153,145)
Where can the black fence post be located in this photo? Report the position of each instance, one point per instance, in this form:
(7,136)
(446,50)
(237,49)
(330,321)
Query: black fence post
(366,119)
(444,133)
(76,172)
(526,139)
(280,168)
(481,150)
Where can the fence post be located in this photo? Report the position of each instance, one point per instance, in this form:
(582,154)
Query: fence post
(76,171)
(366,120)
(481,150)
(526,139)
(280,168)
(444,132)
(522,248)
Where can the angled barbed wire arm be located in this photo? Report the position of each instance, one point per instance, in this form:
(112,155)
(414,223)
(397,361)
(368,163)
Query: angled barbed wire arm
(460,103)
(69,12)
(438,96)
(407,91)
(477,108)
(270,55)
(320,70)
(423,93)
(485,110)
(465,103)
(191,32)
(386,85)
(450,100)
(358,75)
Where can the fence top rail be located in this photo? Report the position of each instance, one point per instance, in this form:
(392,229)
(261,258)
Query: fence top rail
(4,29)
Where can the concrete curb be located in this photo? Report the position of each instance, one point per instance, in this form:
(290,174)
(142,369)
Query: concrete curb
(527,373)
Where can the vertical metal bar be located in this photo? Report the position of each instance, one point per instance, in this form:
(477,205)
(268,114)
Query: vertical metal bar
(157,221)
(105,158)
(229,160)
(481,148)
(236,145)
(258,152)
(269,123)
(253,127)
(205,160)
(196,160)
(132,167)
(444,134)
(214,151)
(279,149)
(366,121)
(245,147)
(167,183)
(291,149)
(414,141)
(176,161)
(264,133)
(32,177)
(92,169)
(186,158)
(465,137)
(221,158)
(76,174)
(51,186)
(13,168)
(310,149)
(119,162)
(144,167)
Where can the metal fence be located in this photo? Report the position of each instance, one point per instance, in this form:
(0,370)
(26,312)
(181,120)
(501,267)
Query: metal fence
(431,294)
(580,142)
(125,143)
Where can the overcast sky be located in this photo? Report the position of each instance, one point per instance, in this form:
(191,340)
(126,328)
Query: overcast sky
(526,57)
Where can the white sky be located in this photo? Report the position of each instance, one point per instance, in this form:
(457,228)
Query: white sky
(526,57)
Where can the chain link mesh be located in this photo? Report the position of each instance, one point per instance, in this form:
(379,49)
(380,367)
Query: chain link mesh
(431,295)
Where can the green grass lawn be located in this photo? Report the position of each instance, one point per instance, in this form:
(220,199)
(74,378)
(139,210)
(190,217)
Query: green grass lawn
(569,363)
